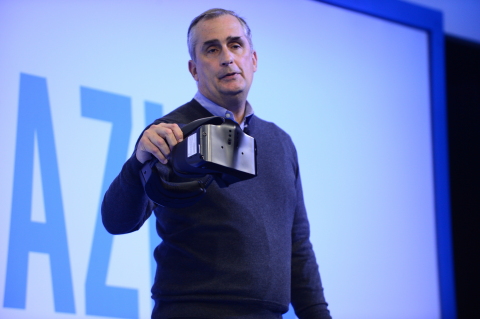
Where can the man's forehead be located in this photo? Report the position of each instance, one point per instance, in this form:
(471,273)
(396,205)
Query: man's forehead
(220,28)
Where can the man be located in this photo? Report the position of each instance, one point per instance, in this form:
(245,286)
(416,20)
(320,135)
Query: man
(242,251)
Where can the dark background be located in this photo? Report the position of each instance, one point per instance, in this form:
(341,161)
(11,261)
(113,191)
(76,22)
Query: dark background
(463,103)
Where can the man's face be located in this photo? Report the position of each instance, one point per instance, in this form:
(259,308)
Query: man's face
(225,62)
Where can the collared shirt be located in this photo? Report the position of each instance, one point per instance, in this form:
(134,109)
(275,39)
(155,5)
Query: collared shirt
(217,110)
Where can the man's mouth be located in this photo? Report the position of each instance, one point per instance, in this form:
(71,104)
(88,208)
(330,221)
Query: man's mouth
(228,75)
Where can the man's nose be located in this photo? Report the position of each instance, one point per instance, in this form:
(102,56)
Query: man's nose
(226,58)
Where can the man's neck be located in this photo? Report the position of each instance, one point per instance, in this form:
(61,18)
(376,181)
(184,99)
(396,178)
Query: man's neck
(235,105)
(238,111)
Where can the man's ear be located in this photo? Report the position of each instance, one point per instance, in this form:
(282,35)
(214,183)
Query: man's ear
(192,67)
(254,60)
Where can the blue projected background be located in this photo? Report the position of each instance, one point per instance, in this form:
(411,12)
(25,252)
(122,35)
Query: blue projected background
(81,79)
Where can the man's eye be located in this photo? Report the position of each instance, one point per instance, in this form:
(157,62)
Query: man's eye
(212,50)
(236,46)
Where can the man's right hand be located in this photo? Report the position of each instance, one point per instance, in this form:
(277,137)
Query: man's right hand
(158,140)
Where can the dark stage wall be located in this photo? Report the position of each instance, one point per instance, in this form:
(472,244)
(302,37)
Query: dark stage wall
(463,99)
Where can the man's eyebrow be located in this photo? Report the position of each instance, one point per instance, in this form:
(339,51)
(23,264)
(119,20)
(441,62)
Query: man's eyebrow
(210,42)
(216,41)
(234,39)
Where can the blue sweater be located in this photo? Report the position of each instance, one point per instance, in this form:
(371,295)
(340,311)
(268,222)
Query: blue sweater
(241,248)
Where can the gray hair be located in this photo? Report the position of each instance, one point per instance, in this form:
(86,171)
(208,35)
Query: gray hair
(211,14)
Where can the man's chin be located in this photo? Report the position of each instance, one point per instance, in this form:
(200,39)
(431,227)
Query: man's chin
(232,92)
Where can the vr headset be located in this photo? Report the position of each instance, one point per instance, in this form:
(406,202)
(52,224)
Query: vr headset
(213,148)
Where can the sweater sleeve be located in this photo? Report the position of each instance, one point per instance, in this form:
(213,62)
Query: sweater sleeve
(125,206)
(306,289)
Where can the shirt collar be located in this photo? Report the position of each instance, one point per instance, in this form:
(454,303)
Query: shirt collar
(217,110)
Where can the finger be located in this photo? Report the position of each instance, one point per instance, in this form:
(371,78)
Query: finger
(177,132)
(149,149)
(157,145)
(172,134)
(152,144)
(158,140)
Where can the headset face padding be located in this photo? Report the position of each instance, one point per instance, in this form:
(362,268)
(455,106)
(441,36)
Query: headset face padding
(171,194)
